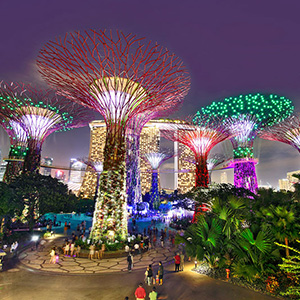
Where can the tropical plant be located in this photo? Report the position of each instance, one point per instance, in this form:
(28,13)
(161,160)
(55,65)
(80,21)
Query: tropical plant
(253,250)
(291,266)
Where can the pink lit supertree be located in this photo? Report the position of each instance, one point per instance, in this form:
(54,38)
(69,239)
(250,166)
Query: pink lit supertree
(120,76)
(200,139)
(39,113)
(249,114)
(287,131)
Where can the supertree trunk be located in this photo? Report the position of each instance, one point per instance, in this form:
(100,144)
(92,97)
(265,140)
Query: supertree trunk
(13,168)
(110,215)
(245,175)
(133,174)
(32,159)
(202,177)
(154,192)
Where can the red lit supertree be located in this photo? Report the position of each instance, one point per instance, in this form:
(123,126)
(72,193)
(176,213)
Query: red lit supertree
(287,131)
(40,113)
(119,76)
(200,139)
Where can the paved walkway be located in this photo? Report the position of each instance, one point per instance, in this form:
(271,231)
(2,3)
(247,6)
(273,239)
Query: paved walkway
(39,260)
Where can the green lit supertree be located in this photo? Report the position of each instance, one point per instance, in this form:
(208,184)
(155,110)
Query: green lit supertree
(17,135)
(249,114)
(39,113)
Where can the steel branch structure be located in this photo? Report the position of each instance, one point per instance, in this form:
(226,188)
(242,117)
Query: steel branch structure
(200,139)
(249,114)
(40,113)
(155,160)
(287,131)
(120,76)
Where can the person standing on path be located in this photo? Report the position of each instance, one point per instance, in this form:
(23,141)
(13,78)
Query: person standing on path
(130,262)
(140,292)
(153,294)
(149,275)
(181,267)
(177,262)
(160,273)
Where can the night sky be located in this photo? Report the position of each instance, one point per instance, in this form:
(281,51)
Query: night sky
(230,47)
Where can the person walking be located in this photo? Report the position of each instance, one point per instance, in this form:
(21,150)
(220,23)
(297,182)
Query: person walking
(130,262)
(153,294)
(181,266)
(92,252)
(149,275)
(52,256)
(140,292)
(160,273)
(177,262)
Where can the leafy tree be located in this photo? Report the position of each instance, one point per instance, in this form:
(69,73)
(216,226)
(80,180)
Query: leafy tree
(40,194)
(8,205)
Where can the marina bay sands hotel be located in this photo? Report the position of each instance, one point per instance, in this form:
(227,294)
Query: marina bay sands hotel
(183,171)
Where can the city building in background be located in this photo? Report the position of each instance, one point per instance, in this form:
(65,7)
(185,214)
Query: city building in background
(77,170)
(223,177)
(150,140)
(46,161)
(288,182)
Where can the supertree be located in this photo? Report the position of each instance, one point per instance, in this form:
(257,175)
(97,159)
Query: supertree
(133,132)
(93,166)
(213,160)
(287,131)
(155,160)
(200,139)
(40,113)
(120,77)
(17,135)
(249,114)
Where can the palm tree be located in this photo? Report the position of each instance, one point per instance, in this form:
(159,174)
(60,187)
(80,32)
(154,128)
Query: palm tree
(283,224)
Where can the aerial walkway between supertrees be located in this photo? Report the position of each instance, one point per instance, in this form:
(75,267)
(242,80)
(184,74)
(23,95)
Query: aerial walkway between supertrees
(155,160)
(287,131)
(40,113)
(120,76)
(249,115)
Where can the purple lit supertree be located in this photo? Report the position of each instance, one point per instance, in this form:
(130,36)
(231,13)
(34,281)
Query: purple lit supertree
(17,135)
(155,160)
(249,113)
(40,113)
(120,77)
(287,131)
(200,139)
(133,132)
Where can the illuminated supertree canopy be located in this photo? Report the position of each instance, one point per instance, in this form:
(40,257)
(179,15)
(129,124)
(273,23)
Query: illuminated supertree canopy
(40,113)
(18,138)
(250,113)
(287,131)
(155,160)
(200,139)
(120,76)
